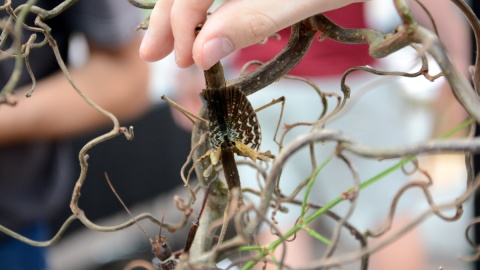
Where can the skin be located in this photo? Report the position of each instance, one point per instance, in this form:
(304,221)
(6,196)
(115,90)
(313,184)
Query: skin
(172,25)
(68,115)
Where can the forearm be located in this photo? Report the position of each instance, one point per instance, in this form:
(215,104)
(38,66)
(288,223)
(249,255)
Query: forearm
(116,80)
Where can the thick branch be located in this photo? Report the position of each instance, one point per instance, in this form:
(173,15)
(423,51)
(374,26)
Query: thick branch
(380,44)
(298,44)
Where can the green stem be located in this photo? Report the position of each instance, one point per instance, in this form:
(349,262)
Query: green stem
(339,199)
(311,181)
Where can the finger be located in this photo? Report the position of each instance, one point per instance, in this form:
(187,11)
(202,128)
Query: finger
(240,23)
(221,34)
(158,40)
(185,16)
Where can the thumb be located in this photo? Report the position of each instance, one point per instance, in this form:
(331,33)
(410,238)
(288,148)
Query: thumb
(238,24)
(231,27)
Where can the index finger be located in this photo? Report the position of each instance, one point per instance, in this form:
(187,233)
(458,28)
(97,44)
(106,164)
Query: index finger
(158,40)
(185,16)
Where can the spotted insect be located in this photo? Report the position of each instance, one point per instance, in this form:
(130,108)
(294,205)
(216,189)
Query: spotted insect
(232,123)
(233,128)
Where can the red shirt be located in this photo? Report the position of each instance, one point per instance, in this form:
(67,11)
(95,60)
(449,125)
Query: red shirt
(324,58)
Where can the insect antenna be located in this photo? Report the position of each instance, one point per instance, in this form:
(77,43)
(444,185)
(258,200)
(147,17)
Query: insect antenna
(160,246)
(126,208)
(161,224)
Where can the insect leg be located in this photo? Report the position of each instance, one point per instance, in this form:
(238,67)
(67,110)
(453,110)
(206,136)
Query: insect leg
(184,111)
(273,102)
(193,229)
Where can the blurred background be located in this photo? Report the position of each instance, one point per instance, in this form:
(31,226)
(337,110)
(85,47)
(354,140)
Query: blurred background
(145,171)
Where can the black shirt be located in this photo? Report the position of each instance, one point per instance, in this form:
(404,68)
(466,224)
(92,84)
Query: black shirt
(35,176)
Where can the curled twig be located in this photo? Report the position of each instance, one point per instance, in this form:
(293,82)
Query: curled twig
(471,241)
(341,223)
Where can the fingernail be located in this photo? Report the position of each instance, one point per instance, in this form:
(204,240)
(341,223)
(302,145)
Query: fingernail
(215,49)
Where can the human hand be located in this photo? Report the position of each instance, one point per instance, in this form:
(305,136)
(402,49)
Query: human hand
(234,25)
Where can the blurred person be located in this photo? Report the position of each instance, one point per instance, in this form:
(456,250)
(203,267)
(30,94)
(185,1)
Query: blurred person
(35,163)
(364,122)
(324,64)
(145,173)
(172,23)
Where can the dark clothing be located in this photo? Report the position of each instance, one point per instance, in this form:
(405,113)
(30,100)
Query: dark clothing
(34,177)
(16,255)
(140,169)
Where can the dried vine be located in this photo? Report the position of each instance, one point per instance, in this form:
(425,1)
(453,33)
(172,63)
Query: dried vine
(205,250)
